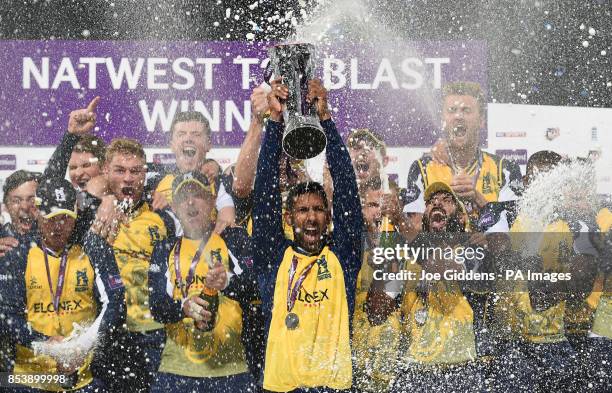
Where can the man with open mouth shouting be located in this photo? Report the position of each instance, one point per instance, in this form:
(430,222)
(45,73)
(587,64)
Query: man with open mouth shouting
(477,177)
(190,142)
(307,285)
(192,294)
(442,320)
(129,223)
(19,191)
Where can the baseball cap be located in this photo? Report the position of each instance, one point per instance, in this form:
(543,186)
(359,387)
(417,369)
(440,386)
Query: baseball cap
(184,179)
(17,178)
(55,196)
(439,186)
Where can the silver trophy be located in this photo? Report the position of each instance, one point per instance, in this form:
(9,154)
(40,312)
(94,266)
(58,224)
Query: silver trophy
(304,137)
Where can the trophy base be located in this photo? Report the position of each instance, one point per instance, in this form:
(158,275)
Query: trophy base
(304,138)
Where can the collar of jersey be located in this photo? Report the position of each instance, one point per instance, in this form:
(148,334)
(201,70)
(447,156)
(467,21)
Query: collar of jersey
(300,250)
(53,253)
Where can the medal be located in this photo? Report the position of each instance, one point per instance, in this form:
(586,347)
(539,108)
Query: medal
(420,316)
(292,321)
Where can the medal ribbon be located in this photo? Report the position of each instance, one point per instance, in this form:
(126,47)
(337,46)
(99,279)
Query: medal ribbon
(57,294)
(194,262)
(292,293)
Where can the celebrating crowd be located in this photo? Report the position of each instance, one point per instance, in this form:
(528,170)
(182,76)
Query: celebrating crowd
(191,278)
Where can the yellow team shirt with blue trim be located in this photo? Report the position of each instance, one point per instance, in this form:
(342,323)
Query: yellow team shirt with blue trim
(133,248)
(191,352)
(523,322)
(76,305)
(491,171)
(375,346)
(447,334)
(602,320)
(317,352)
(550,325)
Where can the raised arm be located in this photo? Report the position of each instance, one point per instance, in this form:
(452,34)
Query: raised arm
(346,206)
(81,121)
(268,233)
(58,163)
(347,217)
(244,172)
(242,285)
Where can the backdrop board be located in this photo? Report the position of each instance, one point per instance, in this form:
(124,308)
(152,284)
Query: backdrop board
(517,131)
(393,87)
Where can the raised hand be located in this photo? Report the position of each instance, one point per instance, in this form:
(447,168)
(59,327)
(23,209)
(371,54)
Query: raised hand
(82,121)
(279,92)
(159,201)
(464,186)
(259,103)
(318,94)
(109,218)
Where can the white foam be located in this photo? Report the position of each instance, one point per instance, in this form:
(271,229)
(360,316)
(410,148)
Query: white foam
(75,347)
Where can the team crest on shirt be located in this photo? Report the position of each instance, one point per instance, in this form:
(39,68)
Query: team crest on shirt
(486,183)
(82,281)
(323,272)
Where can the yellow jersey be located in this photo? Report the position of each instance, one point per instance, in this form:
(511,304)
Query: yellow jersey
(319,352)
(133,248)
(602,319)
(188,351)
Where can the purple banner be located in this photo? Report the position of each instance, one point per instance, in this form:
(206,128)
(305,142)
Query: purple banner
(393,88)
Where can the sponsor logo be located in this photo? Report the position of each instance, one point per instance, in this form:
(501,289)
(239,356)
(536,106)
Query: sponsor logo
(37,162)
(164,158)
(314,298)
(552,133)
(519,155)
(197,280)
(486,220)
(115,282)
(511,134)
(8,162)
(34,284)
(65,306)
(60,195)
(323,272)
(248,262)
(82,281)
